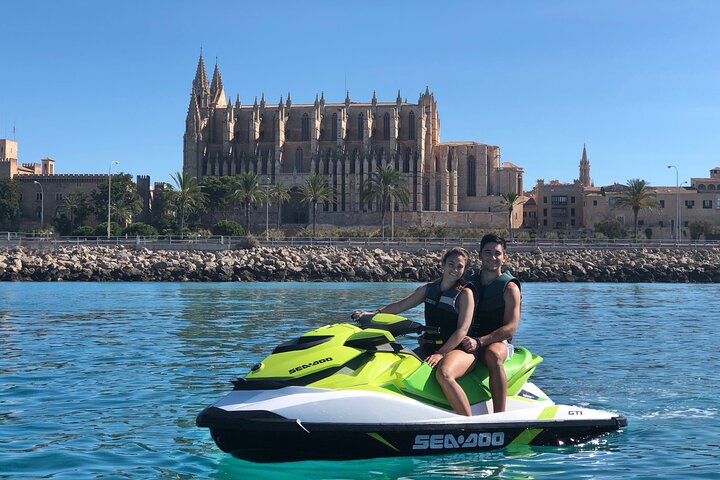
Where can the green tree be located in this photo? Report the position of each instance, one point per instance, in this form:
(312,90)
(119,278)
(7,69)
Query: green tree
(385,185)
(9,204)
(141,229)
(315,190)
(248,193)
(701,227)
(219,193)
(611,228)
(638,196)
(188,197)
(228,228)
(125,202)
(76,206)
(280,194)
(509,201)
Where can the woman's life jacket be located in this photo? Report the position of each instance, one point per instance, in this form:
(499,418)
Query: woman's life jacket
(440,311)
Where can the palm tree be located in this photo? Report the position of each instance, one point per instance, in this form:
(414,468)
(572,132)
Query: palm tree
(189,196)
(76,204)
(281,194)
(384,185)
(316,189)
(638,196)
(249,192)
(509,201)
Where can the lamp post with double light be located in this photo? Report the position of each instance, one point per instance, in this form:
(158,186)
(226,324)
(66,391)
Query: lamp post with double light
(109,190)
(42,204)
(677,203)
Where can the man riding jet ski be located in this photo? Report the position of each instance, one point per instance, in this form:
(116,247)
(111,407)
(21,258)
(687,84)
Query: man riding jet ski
(348,392)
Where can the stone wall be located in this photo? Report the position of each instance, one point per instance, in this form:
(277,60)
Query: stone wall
(84,263)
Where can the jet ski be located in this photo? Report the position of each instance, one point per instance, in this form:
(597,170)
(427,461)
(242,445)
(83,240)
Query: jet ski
(346,391)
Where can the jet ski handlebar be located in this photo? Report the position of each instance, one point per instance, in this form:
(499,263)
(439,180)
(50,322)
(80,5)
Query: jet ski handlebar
(394,324)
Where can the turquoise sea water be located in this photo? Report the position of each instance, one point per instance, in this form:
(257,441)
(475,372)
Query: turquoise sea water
(103,380)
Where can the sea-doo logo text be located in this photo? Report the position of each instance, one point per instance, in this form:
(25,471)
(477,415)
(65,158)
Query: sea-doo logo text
(440,441)
(308,365)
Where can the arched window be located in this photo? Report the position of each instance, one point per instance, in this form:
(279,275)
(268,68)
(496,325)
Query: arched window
(426,194)
(360,130)
(438,192)
(353,159)
(449,161)
(334,127)
(386,126)
(299,160)
(437,165)
(411,126)
(471,173)
(305,127)
(701,187)
(406,161)
(415,162)
(711,187)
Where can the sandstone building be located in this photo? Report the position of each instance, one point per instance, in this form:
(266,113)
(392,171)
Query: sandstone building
(451,183)
(576,206)
(55,187)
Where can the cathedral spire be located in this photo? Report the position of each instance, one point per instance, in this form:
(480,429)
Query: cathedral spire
(374,99)
(262,100)
(289,102)
(201,82)
(216,84)
(347,98)
(237,100)
(399,98)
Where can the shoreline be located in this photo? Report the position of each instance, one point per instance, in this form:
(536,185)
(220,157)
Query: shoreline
(354,264)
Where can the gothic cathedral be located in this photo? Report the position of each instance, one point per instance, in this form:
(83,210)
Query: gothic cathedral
(345,142)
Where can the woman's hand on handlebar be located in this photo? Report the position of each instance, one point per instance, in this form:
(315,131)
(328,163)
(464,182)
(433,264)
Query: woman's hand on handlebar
(359,313)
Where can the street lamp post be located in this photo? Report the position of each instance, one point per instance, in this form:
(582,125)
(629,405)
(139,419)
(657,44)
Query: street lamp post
(109,183)
(680,213)
(677,203)
(266,184)
(42,204)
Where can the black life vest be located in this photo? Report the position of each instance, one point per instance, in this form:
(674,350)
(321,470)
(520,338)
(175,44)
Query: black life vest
(489,312)
(440,311)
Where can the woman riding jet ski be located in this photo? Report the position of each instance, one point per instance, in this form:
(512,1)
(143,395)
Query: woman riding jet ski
(348,392)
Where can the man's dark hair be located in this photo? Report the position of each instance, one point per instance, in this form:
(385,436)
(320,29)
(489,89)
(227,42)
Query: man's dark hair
(492,238)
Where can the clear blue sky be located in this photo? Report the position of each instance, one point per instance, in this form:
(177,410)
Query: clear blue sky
(89,82)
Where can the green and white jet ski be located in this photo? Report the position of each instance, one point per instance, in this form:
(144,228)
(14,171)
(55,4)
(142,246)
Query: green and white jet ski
(349,392)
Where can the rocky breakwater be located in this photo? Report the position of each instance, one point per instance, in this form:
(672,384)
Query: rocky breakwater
(84,263)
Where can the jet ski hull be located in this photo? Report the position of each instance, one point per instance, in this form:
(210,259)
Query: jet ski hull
(262,436)
(301,423)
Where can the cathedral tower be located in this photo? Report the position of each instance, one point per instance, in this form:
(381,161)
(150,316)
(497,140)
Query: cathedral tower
(584,169)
